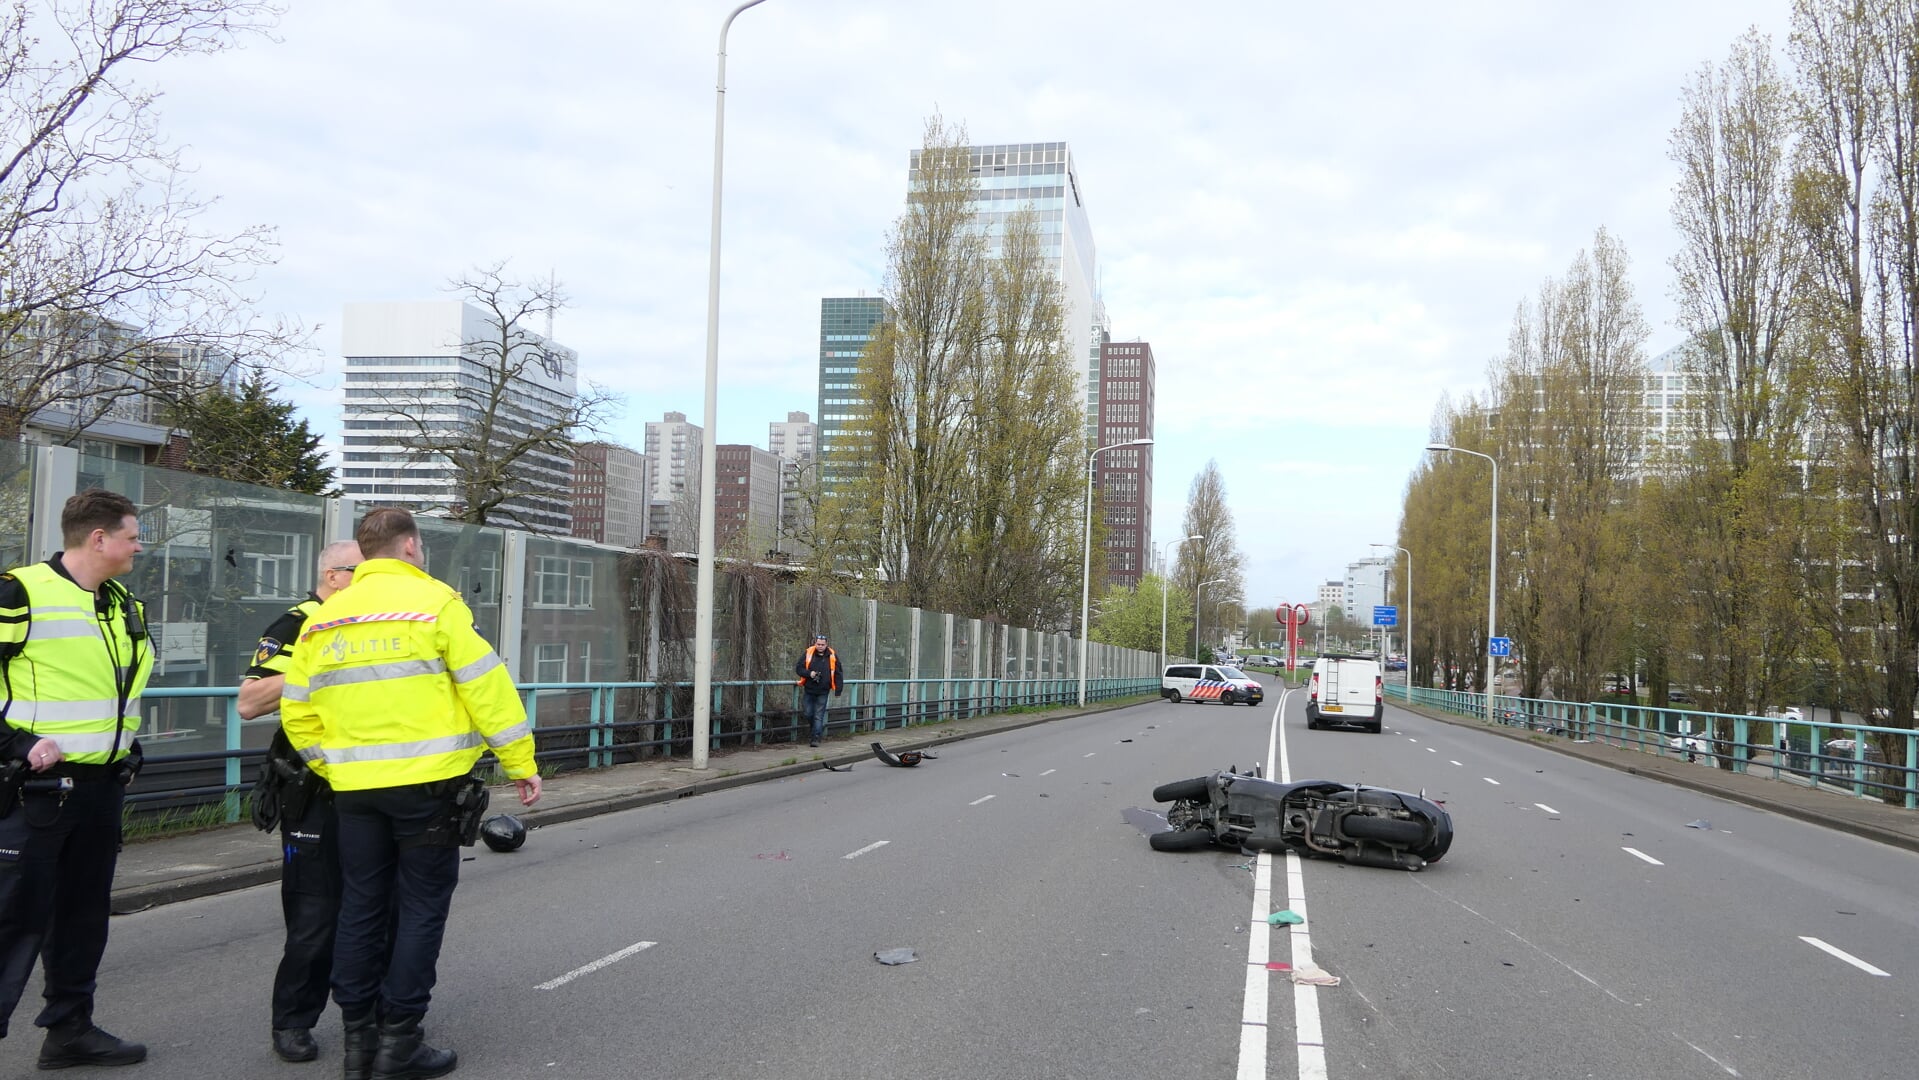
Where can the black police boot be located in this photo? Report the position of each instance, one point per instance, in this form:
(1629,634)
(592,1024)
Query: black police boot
(404,1054)
(361,1043)
(78,1042)
(295,1044)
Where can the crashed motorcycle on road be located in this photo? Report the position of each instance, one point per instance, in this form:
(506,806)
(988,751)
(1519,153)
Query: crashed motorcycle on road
(1366,826)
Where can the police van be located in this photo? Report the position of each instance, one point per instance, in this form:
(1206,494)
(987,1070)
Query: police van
(1346,690)
(1209,682)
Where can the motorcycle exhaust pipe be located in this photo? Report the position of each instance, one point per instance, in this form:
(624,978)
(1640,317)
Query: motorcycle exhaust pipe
(1383,858)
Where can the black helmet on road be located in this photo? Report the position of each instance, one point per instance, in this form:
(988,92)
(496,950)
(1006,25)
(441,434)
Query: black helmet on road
(503,832)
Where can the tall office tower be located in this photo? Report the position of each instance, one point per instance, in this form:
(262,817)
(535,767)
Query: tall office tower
(673,509)
(847,324)
(796,439)
(429,363)
(1125,477)
(747,505)
(610,494)
(1042,176)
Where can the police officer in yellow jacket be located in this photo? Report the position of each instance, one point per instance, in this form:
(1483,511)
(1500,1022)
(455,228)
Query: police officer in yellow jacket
(309,831)
(392,696)
(74,658)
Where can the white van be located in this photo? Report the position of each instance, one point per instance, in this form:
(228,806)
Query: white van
(1209,682)
(1346,690)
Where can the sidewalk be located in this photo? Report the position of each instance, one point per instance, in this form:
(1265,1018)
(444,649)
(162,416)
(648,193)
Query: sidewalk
(175,868)
(1869,818)
(169,869)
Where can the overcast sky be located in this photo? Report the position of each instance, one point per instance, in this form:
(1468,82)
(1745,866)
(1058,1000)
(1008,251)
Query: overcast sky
(1321,216)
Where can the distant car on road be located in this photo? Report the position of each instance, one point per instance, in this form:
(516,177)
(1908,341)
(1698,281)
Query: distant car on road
(1678,695)
(1395,664)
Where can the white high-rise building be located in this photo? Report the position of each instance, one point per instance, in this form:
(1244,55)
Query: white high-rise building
(1042,177)
(674,445)
(795,439)
(428,363)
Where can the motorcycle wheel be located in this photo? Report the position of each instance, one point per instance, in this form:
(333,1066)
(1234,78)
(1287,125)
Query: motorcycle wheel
(1194,789)
(1186,840)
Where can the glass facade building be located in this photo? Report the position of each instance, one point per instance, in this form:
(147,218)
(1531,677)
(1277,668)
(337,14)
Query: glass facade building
(1041,177)
(847,324)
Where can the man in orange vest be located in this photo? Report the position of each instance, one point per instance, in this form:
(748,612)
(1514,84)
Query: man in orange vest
(819,675)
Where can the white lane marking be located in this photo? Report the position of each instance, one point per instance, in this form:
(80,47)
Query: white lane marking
(979,800)
(1546,808)
(610,958)
(1409,738)
(1490,780)
(1089,755)
(1049,772)
(874,846)
(1430,750)
(1846,956)
(1253,1033)
(1456,763)
(1638,854)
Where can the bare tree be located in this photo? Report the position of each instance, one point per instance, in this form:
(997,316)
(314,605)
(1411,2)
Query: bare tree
(1216,557)
(502,425)
(110,285)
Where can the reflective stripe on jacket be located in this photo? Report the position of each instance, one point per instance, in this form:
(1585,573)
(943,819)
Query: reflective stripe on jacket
(391,685)
(65,682)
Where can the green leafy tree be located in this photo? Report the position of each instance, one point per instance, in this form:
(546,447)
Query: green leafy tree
(1130,618)
(253,437)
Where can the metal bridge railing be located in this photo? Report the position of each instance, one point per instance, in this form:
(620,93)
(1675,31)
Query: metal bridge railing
(1836,756)
(594,725)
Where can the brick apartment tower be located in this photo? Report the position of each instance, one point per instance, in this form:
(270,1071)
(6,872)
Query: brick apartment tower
(1125,477)
(747,497)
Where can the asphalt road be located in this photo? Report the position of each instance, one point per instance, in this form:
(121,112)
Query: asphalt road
(734,933)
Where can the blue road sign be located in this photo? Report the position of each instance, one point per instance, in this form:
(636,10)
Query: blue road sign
(1500,646)
(1385,616)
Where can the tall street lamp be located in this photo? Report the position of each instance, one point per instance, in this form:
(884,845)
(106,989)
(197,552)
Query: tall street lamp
(1162,593)
(1197,589)
(1409,611)
(1086,566)
(1492,569)
(709,446)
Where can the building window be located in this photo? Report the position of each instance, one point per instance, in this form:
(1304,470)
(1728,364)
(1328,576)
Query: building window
(270,566)
(549,662)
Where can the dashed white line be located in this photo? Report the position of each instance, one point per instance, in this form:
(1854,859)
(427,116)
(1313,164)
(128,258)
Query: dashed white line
(979,800)
(1457,763)
(1089,755)
(1638,854)
(1546,808)
(1049,772)
(1846,956)
(1430,750)
(1490,780)
(874,846)
(610,958)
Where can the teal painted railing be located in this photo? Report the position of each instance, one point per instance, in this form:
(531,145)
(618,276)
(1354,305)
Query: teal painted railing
(1828,754)
(591,725)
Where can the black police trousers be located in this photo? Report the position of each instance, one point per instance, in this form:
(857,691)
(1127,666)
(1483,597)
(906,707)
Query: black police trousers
(56,890)
(310,903)
(395,895)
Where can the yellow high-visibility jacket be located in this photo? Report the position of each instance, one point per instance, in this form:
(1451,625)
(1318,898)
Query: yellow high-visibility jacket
(73,660)
(391,685)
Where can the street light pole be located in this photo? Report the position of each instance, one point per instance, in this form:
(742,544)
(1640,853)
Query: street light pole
(1492,570)
(1409,612)
(1197,589)
(1163,582)
(1086,566)
(709,452)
